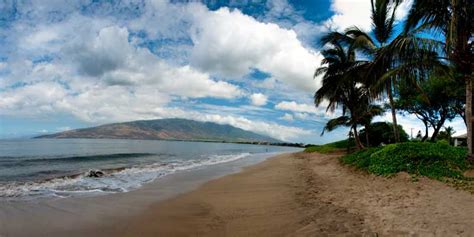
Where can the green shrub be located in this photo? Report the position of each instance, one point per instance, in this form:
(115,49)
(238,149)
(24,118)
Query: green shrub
(435,160)
(382,132)
(330,147)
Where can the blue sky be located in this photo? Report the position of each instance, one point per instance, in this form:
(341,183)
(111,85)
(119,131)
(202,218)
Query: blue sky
(74,64)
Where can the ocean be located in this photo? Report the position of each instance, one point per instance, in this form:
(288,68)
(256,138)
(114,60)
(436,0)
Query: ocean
(61,168)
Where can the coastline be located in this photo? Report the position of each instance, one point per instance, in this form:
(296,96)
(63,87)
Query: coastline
(296,194)
(73,215)
(301,194)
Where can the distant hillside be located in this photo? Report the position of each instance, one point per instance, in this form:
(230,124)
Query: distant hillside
(166,129)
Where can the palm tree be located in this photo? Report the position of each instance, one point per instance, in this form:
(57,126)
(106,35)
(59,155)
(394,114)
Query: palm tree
(454,19)
(368,112)
(404,57)
(449,133)
(383,19)
(362,114)
(339,84)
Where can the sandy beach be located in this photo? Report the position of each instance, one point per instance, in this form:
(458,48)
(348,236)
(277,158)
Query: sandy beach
(297,194)
(309,195)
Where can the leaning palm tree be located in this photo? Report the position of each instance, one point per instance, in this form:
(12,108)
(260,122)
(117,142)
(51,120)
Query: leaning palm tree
(454,19)
(360,114)
(339,84)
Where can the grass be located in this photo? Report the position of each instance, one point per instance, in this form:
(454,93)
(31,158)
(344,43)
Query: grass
(330,147)
(434,160)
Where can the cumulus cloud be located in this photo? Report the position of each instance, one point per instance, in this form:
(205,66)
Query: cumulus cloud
(108,51)
(258,99)
(231,44)
(34,99)
(296,107)
(287,117)
(303,111)
(112,63)
(350,13)
(272,129)
(115,73)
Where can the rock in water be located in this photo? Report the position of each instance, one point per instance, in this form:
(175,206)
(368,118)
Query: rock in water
(95,174)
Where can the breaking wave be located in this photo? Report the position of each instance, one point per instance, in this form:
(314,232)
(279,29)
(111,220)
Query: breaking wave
(116,180)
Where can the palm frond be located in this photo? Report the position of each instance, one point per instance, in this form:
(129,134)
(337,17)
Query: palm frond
(335,123)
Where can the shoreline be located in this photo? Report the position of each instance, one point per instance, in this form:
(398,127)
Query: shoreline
(71,215)
(297,194)
(301,194)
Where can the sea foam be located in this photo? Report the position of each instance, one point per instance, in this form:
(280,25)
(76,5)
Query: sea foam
(113,180)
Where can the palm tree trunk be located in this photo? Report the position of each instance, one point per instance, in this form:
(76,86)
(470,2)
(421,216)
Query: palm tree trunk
(357,138)
(367,135)
(468,115)
(394,113)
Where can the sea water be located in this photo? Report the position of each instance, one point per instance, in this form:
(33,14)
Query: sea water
(39,168)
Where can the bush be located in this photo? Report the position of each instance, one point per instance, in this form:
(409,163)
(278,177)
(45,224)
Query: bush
(330,147)
(382,132)
(435,160)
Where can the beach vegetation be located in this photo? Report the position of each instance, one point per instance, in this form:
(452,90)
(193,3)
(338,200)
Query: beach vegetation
(331,147)
(433,102)
(434,160)
(422,67)
(453,23)
(380,133)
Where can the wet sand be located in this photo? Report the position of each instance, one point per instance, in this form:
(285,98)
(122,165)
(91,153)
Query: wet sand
(294,195)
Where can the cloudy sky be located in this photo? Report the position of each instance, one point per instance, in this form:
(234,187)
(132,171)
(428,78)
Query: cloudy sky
(74,64)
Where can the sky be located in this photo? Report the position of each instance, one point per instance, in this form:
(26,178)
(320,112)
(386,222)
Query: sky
(249,63)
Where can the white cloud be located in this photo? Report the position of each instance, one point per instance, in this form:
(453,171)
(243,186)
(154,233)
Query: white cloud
(350,13)
(108,51)
(272,129)
(258,99)
(296,107)
(231,44)
(303,111)
(403,9)
(95,66)
(35,99)
(106,79)
(287,117)
(117,62)
(302,115)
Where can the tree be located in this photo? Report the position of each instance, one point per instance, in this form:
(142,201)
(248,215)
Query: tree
(383,18)
(454,19)
(392,59)
(433,102)
(367,113)
(340,85)
(382,133)
(447,134)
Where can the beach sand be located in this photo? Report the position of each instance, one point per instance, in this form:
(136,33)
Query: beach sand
(308,195)
(296,194)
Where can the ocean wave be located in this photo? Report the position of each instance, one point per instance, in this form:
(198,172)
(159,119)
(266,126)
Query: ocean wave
(5,159)
(113,180)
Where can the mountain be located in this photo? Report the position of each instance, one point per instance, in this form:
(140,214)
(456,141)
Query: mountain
(166,129)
